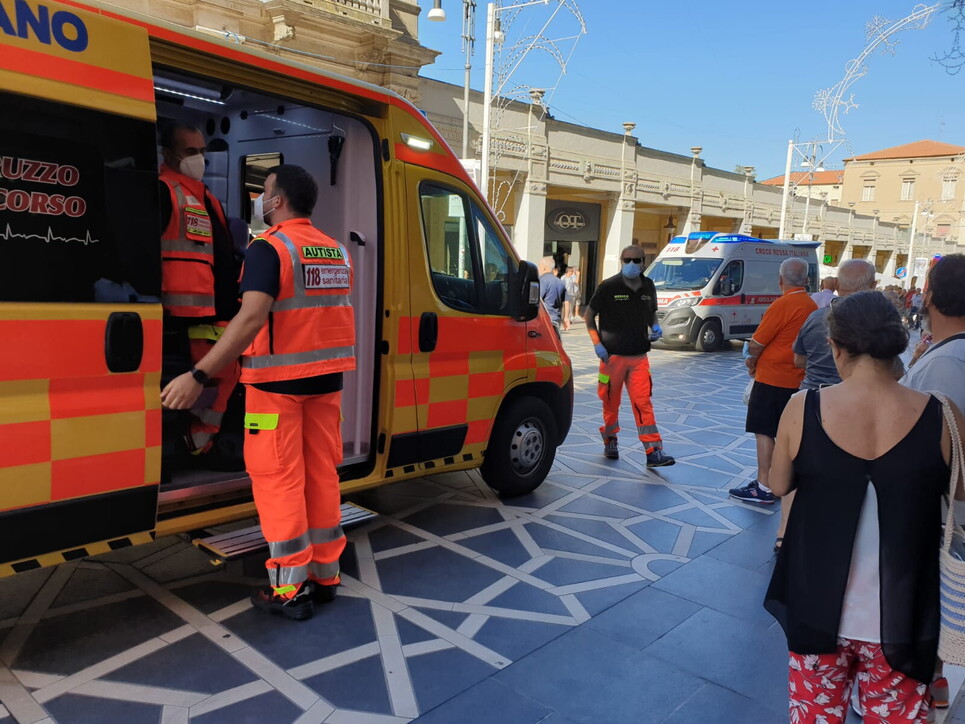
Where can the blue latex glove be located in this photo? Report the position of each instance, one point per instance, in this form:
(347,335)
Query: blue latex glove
(655,333)
(601,352)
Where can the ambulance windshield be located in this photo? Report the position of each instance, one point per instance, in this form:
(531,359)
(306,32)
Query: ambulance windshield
(682,272)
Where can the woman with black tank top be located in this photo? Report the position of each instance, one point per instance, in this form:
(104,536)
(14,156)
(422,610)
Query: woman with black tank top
(855,587)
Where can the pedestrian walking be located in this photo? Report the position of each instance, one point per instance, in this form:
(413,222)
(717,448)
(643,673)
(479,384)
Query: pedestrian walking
(626,304)
(569,283)
(855,587)
(577,293)
(812,353)
(552,293)
(771,364)
(829,285)
(296,329)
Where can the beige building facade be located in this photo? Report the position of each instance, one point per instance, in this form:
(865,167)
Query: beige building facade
(376,41)
(889,183)
(821,185)
(552,176)
(579,193)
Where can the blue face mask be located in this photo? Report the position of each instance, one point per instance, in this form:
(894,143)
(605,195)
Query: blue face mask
(631,270)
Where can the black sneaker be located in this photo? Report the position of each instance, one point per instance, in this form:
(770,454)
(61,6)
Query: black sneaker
(323,593)
(610,449)
(657,458)
(753,493)
(298,608)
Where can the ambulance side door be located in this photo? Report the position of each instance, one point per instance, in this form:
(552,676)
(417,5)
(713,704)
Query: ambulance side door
(466,346)
(80,420)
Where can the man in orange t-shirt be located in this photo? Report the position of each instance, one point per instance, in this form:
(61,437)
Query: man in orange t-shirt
(771,364)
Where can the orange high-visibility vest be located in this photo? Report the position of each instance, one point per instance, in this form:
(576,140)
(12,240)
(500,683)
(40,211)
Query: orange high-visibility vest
(187,248)
(311,326)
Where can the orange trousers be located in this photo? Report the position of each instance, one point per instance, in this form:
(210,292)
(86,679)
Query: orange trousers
(292,447)
(206,421)
(634,372)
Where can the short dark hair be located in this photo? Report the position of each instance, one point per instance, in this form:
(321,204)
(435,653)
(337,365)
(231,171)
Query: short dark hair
(946,282)
(169,130)
(867,323)
(297,186)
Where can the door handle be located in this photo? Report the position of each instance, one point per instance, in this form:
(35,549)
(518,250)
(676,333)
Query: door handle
(428,331)
(533,333)
(124,342)
(743,298)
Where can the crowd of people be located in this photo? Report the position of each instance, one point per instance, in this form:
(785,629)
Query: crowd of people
(863,452)
(857,442)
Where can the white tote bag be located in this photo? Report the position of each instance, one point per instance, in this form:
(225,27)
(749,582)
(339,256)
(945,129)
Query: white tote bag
(951,637)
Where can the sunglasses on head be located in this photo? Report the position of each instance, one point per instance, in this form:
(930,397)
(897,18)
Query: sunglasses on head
(634,260)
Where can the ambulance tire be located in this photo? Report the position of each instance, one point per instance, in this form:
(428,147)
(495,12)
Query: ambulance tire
(710,338)
(521,448)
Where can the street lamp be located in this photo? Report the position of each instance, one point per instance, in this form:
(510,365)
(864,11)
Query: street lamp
(812,157)
(437,14)
(494,34)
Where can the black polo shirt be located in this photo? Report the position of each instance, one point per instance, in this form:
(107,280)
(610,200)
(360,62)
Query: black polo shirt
(625,315)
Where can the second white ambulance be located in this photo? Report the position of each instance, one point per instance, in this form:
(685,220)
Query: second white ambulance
(714,287)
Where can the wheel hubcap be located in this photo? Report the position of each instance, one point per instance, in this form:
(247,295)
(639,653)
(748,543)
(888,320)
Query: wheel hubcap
(526,449)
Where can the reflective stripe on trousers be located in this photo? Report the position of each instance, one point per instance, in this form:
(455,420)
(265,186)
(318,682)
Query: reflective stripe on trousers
(634,373)
(295,483)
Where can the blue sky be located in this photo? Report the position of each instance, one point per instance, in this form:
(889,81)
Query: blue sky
(737,78)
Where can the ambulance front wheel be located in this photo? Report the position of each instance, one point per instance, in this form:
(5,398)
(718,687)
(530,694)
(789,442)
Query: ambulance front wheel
(710,338)
(521,448)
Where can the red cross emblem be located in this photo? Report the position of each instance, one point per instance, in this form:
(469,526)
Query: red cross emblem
(716,248)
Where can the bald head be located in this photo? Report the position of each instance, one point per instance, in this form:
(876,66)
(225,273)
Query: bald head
(829,283)
(855,275)
(794,272)
(546,264)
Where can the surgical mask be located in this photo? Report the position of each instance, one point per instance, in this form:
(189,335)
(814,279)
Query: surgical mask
(193,166)
(258,208)
(631,270)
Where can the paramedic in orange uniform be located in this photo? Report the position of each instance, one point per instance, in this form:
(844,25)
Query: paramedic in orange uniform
(296,330)
(627,306)
(199,288)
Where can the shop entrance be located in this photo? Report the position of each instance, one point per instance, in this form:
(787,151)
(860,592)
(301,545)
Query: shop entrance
(582,255)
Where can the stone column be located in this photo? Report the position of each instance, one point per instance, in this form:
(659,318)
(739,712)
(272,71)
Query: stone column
(619,234)
(693,214)
(529,232)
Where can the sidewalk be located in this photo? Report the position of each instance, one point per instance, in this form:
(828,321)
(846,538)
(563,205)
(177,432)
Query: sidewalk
(611,594)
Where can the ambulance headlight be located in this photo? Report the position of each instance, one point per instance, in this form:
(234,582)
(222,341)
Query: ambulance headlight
(685,302)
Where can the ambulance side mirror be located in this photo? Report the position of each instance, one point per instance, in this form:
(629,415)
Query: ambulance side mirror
(527,292)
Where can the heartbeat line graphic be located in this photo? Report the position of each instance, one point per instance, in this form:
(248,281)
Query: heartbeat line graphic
(50,236)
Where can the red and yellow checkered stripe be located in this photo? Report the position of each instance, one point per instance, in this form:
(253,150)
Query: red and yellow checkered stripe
(68,427)
(466,385)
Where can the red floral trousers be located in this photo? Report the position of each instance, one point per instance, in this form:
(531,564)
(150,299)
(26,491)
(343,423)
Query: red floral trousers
(820,687)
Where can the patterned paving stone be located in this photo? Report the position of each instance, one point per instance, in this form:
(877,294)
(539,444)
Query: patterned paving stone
(453,599)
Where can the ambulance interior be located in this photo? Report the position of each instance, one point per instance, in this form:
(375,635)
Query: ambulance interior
(247,133)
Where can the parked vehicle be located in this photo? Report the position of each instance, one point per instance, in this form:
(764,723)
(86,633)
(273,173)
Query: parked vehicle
(457,366)
(714,287)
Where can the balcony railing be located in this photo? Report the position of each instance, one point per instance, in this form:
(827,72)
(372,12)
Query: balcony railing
(368,6)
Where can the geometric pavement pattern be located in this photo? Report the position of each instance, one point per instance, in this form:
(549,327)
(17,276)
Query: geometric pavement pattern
(450,585)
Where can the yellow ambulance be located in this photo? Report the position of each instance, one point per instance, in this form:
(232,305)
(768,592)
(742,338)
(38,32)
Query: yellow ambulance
(457,365)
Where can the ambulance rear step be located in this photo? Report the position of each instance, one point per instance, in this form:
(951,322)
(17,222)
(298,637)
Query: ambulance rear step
(226,546)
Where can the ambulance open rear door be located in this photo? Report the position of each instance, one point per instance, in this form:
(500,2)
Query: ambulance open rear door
(80,321)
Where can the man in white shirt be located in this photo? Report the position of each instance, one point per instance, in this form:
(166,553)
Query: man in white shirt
(829,285)
(941,367)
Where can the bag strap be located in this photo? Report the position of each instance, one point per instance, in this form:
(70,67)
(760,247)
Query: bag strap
(956,466)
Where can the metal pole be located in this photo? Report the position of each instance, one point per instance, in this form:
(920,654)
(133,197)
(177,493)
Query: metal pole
(787,187)
(487,100)
(469,40)
(807,204)
(910,265)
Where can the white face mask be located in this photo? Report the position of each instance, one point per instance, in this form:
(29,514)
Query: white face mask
(193,166)
(258,208)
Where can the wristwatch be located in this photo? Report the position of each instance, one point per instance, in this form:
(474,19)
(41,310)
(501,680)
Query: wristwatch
(199,376)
